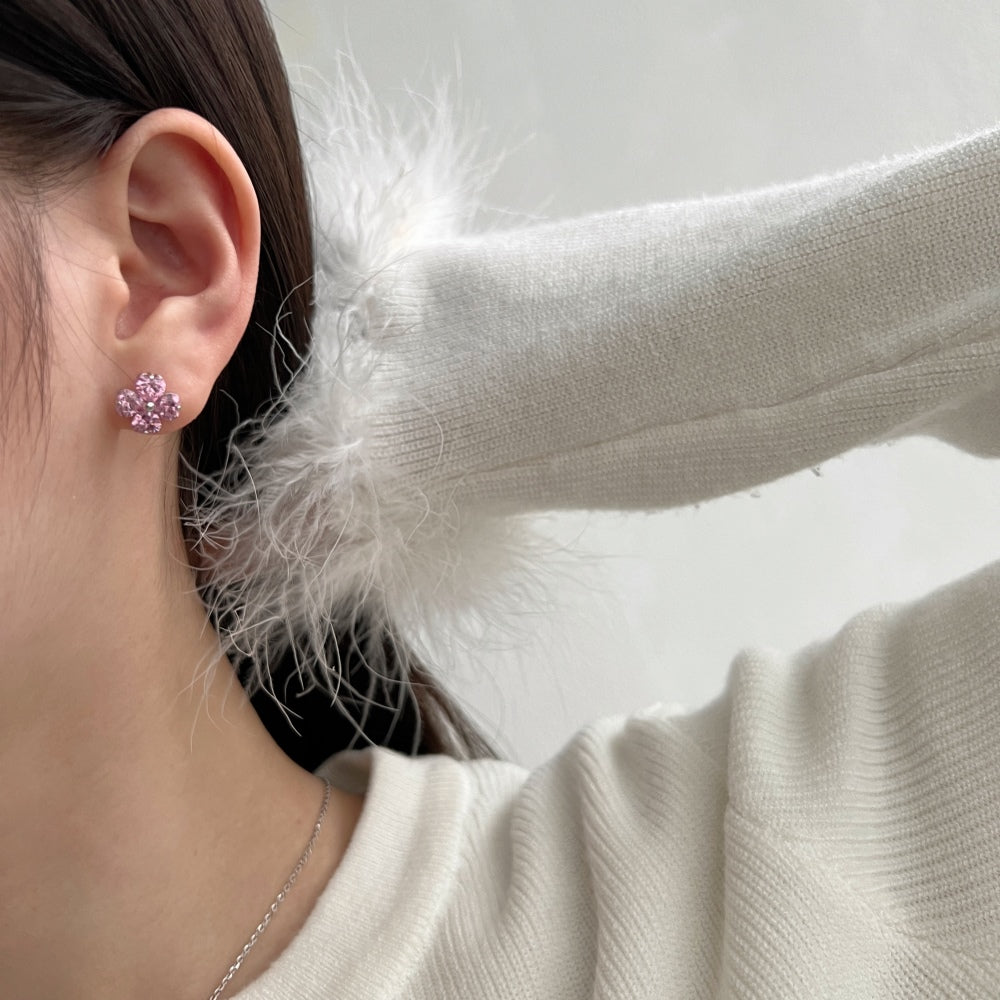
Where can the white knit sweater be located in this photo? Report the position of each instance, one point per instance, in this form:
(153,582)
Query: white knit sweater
(830,825)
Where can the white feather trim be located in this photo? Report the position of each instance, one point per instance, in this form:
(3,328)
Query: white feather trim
(307,531)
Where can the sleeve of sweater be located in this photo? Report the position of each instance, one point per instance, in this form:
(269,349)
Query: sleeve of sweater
(642,358)
(660,355)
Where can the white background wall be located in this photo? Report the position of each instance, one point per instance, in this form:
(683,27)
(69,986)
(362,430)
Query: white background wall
(608,104)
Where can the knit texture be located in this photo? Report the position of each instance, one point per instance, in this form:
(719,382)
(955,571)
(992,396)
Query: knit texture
(829,826)
(664,354)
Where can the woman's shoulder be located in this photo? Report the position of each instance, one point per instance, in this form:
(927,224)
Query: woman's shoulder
(832,813)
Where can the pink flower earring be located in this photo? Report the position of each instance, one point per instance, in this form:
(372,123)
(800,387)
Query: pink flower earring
(148,405)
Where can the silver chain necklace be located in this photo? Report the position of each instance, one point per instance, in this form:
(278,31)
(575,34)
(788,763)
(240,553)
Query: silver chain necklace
(272,909)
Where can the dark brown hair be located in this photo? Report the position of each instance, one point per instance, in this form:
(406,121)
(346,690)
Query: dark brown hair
(74,74)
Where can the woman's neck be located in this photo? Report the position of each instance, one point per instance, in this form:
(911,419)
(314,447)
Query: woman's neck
(149,819)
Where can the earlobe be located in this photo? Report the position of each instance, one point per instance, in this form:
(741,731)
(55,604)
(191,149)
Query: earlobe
(188,254)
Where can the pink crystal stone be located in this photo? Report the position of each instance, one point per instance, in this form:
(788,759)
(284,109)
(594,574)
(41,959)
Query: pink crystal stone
(170,406)
(127,404)
(149,387)
(146,423)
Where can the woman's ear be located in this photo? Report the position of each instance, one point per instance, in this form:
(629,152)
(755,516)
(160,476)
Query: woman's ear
(185,228)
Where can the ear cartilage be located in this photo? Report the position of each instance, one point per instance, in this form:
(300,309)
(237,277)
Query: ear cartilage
(149,404)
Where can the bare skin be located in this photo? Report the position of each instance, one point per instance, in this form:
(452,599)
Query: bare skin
(148,818)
